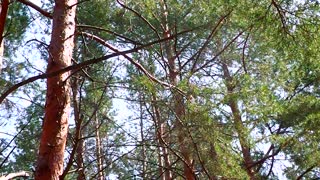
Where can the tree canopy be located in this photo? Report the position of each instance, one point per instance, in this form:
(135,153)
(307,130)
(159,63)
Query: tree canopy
(188,89)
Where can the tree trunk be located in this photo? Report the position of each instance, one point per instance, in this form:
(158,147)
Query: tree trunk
(98,148)
(55,127)
(162,137)
(98,141)
(3,16)
(179,109)
(240,128)
(79,160)
(143,150)
(78,121)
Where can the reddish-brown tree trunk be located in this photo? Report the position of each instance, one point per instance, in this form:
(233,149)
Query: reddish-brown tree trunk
(98,147)
(55,126)
(162,136)
(3,16)
(179,108)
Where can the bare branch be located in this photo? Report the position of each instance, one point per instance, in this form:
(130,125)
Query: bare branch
(305,172)
(37,8)
(14,175)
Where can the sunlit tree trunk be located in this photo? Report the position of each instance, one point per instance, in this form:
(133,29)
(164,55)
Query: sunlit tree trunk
(179,109)
(55,127)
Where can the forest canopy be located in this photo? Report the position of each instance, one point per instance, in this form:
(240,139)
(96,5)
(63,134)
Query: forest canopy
(166,89)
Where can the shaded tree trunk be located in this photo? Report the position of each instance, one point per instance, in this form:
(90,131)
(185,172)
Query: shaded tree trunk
(3,16)
(179,109)
(162,137)
(55,127)
(98,148)
(143,150)
(239,126)
(79,160)
(79,144)
(98,141)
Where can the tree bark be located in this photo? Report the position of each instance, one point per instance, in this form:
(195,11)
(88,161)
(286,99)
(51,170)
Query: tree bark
(55,127)
(98,140)
(98,147)
(240,128)
(3,16)
(143,143)
(79,143)
(162,137)
(179,109)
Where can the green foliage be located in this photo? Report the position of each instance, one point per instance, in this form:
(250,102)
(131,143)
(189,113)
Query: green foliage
(17,22)
(27,141)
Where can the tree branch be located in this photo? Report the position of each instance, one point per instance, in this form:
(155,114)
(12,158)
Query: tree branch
(134,62)
(305,172)
(37,8)
(14,175)
(87,63)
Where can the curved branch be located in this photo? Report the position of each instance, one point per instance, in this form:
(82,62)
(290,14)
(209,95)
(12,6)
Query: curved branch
(140,16)
(37,8)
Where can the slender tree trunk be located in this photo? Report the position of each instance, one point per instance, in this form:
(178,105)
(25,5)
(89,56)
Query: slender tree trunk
(164,160)
(1,54)
(79,160)
(143,150)
(98,143)
(55,127)
(3,16)
(179,108)
(98,149)
(240,128)
(159,134)
(78,135)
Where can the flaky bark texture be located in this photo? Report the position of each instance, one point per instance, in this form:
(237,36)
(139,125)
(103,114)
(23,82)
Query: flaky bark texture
(55,126)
